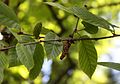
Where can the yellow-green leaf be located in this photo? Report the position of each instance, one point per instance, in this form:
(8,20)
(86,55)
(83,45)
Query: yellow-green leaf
(87,57)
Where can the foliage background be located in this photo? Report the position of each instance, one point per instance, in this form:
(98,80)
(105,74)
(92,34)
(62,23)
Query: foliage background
(66,71)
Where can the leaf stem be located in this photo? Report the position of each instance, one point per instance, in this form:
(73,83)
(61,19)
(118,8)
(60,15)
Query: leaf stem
(75,29)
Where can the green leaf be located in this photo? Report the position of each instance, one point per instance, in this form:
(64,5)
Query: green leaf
(110,65)
(90,28)
(37,30)
(38,61)
(52,48)
(1,74)
(3,60)
(13,58)
(8,17)
(25,56)
(87,57)
(85,15)
(3,64)
(28,39)
(59,6)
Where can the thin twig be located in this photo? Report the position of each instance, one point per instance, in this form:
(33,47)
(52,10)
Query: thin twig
(9,47)
(6,48)
(75,28)
(81,38)
(67,39)
(76,25)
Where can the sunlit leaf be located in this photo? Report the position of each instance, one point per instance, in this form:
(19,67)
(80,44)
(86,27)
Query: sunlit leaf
(87,57)
(110,65)
(3,60)
(1,74)
(37,30)
(8,17)
(90,28)
(52,48)
(59,6)
(85,15)
(38,61)
(25,56)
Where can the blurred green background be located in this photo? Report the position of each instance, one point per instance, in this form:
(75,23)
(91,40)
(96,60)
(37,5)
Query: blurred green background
(66,71)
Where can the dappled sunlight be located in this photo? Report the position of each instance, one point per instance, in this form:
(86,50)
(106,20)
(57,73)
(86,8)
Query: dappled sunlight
(102,46)
(61,14)
(51,26)
(22,70)
(76,43)
(32,19)
(21,15)
(79,77)
(25,6)
(39,0)
(38,80)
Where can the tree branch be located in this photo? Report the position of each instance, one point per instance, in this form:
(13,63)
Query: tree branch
(67,39)
(78,39)
(9,47)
